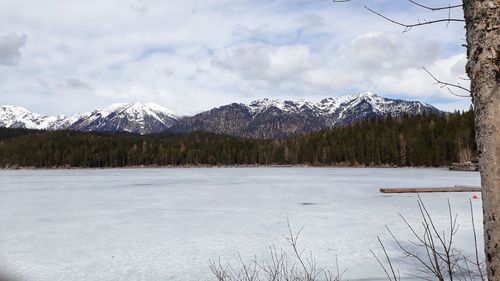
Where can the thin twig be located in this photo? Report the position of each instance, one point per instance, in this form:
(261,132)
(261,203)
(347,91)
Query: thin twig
(446,84)
(449,7)
(408,27)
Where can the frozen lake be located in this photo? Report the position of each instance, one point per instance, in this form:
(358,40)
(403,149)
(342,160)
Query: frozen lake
(166,224)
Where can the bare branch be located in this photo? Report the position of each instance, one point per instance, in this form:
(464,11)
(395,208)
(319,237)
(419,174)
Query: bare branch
(408,27)
(449,7)
(448,85)
(439,260)
(388,260)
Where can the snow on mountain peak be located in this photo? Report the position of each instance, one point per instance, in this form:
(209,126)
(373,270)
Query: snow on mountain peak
(339,105)
(15,110)
(19,117)
(129,117)
(287,106)
(145,118)
(136,108)
(157,107)
(325,106)
(263,104)
(134,114)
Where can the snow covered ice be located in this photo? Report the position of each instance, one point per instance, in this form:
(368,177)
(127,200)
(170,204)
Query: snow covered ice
(166,224)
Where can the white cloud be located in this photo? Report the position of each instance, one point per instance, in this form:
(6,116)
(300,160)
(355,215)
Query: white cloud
(265,62)
(192,55)
(138,6)
(416,82)
(379,52)
(375,61)
(10,48)
(76,83)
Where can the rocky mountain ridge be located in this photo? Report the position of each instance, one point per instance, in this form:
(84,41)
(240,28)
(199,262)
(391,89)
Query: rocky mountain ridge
(276,119)
(265,118)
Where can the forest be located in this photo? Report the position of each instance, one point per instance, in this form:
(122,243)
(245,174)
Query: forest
(425,140)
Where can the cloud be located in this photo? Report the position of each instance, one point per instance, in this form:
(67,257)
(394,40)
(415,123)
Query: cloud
(372,61)
(138,6)
(264,62)
(10,45)
(416,82)
(191,55)
(75,83)
(381,52)
(43,82)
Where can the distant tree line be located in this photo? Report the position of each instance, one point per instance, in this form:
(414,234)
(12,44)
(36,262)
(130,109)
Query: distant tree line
(426,140)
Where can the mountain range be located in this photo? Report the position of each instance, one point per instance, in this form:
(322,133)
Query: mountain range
(263,118)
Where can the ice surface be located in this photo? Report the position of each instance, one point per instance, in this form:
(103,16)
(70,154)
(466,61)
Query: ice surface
(166,224)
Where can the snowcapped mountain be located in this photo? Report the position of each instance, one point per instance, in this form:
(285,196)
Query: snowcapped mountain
(121,117)
(341,106)
(267,118)
(263,118)
(19,117)
(348,109)
(127,117)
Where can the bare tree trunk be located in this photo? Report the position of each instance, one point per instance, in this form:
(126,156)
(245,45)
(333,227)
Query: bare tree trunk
(482,18)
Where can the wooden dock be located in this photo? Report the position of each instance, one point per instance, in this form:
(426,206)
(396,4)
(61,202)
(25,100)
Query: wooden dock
(456,188)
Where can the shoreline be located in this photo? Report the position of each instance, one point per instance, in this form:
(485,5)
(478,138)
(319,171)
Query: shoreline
(30,168)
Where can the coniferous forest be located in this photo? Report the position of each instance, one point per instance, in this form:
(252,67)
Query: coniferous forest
(432,140)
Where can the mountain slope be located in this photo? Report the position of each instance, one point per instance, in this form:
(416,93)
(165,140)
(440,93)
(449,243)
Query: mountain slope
(126,117)
(123,117)
(260,119)
(276,119)
(19,117)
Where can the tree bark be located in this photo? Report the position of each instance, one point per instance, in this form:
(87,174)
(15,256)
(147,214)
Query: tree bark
(483,44)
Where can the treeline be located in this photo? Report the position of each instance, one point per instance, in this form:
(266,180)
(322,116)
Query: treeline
(407,141)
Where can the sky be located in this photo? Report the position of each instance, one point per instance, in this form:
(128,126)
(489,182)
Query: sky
(65,57)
